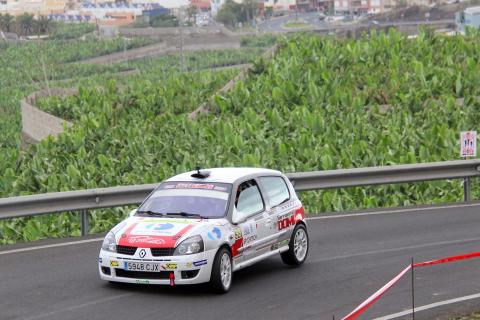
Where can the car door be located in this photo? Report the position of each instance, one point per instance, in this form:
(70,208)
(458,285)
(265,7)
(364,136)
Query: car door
(254,223)
(279,201)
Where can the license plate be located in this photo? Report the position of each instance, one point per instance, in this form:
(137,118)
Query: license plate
(142,266)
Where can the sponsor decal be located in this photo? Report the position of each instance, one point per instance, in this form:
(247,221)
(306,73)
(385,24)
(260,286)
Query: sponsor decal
(170,266)
(146,239)
(99,260)
(249,239)
(286,220)
(114,263)
(299,214)
(249,231)
(195,186)
(215,234)
(200,263)
(249,228)
(156,229)
(154,234)
(238,233)
(238,243)
(142,253)
(142,282)
(274,246)
(189,264)
(159,226)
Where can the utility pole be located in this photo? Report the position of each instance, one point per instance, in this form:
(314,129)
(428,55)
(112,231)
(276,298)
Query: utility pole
(182,58)
(296,10)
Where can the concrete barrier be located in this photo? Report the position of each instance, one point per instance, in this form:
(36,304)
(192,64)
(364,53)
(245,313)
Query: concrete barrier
(37,124)
(149,32)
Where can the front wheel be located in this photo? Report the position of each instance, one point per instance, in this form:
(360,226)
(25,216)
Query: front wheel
(298,247)
(221,278)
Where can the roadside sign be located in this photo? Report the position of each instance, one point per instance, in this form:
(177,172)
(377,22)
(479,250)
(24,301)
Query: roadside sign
(468,144)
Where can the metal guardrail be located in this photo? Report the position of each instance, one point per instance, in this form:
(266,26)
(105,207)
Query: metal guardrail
(85,200)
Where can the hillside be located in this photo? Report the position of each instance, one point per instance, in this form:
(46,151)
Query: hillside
(323,103)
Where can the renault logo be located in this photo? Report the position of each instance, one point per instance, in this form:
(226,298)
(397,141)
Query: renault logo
(142,253)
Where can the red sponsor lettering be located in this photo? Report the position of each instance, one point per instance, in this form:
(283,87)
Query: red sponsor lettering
(194,186)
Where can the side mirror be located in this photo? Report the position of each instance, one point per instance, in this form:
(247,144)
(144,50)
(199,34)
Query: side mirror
(132,213)
(238,216)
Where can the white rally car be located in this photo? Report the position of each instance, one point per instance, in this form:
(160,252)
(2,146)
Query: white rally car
(200,226)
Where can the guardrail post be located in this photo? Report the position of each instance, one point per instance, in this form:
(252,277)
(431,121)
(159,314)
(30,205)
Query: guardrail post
(84,222)
(466,189)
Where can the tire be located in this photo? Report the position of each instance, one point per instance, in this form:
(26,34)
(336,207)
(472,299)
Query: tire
(297,258)
(221,278)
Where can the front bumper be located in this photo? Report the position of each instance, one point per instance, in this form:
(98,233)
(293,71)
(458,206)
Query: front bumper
(188,269)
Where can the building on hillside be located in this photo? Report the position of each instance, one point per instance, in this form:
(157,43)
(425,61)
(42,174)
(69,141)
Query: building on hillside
(325,5)
(19,7)
(277,7)
(470,17)
(424,3)
(215,5)
(70,18)
(172,5)
(201,5)
(358,7)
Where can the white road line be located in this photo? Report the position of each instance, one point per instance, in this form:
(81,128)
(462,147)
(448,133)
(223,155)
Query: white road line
(45,315)
(412,210)
(429,306)
(50,246)
(433,244)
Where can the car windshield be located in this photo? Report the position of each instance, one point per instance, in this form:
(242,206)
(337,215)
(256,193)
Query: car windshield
(188,199)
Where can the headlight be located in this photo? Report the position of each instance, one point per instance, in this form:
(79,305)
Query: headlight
(191,245)
(109,243)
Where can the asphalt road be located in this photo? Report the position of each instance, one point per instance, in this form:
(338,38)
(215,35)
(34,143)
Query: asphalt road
(350,258)
(276,24)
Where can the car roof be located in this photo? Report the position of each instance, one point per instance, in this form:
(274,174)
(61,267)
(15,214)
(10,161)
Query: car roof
(225,175)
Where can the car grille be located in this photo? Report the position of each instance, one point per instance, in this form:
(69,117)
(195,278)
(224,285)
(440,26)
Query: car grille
(162,252)
(142,274)
(126,250)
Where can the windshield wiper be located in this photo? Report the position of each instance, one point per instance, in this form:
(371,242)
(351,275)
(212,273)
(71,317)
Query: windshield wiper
(184,214)
(152,213)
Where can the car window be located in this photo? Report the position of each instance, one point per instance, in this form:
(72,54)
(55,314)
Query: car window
(276,189)
(208,200)
(248,199)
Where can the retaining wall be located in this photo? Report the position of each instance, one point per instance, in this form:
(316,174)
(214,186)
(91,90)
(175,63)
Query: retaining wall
(37,124)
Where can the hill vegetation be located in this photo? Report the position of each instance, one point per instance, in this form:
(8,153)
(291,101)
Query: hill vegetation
(322,103)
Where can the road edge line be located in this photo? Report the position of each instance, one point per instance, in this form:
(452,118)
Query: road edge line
(429,306)
(409,210)
(50,246)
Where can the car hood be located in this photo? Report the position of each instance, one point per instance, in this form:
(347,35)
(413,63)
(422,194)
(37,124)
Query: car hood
(148,232)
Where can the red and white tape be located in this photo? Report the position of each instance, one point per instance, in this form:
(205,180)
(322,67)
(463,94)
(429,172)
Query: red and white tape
(371,300)
(448,259)
(374,297)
